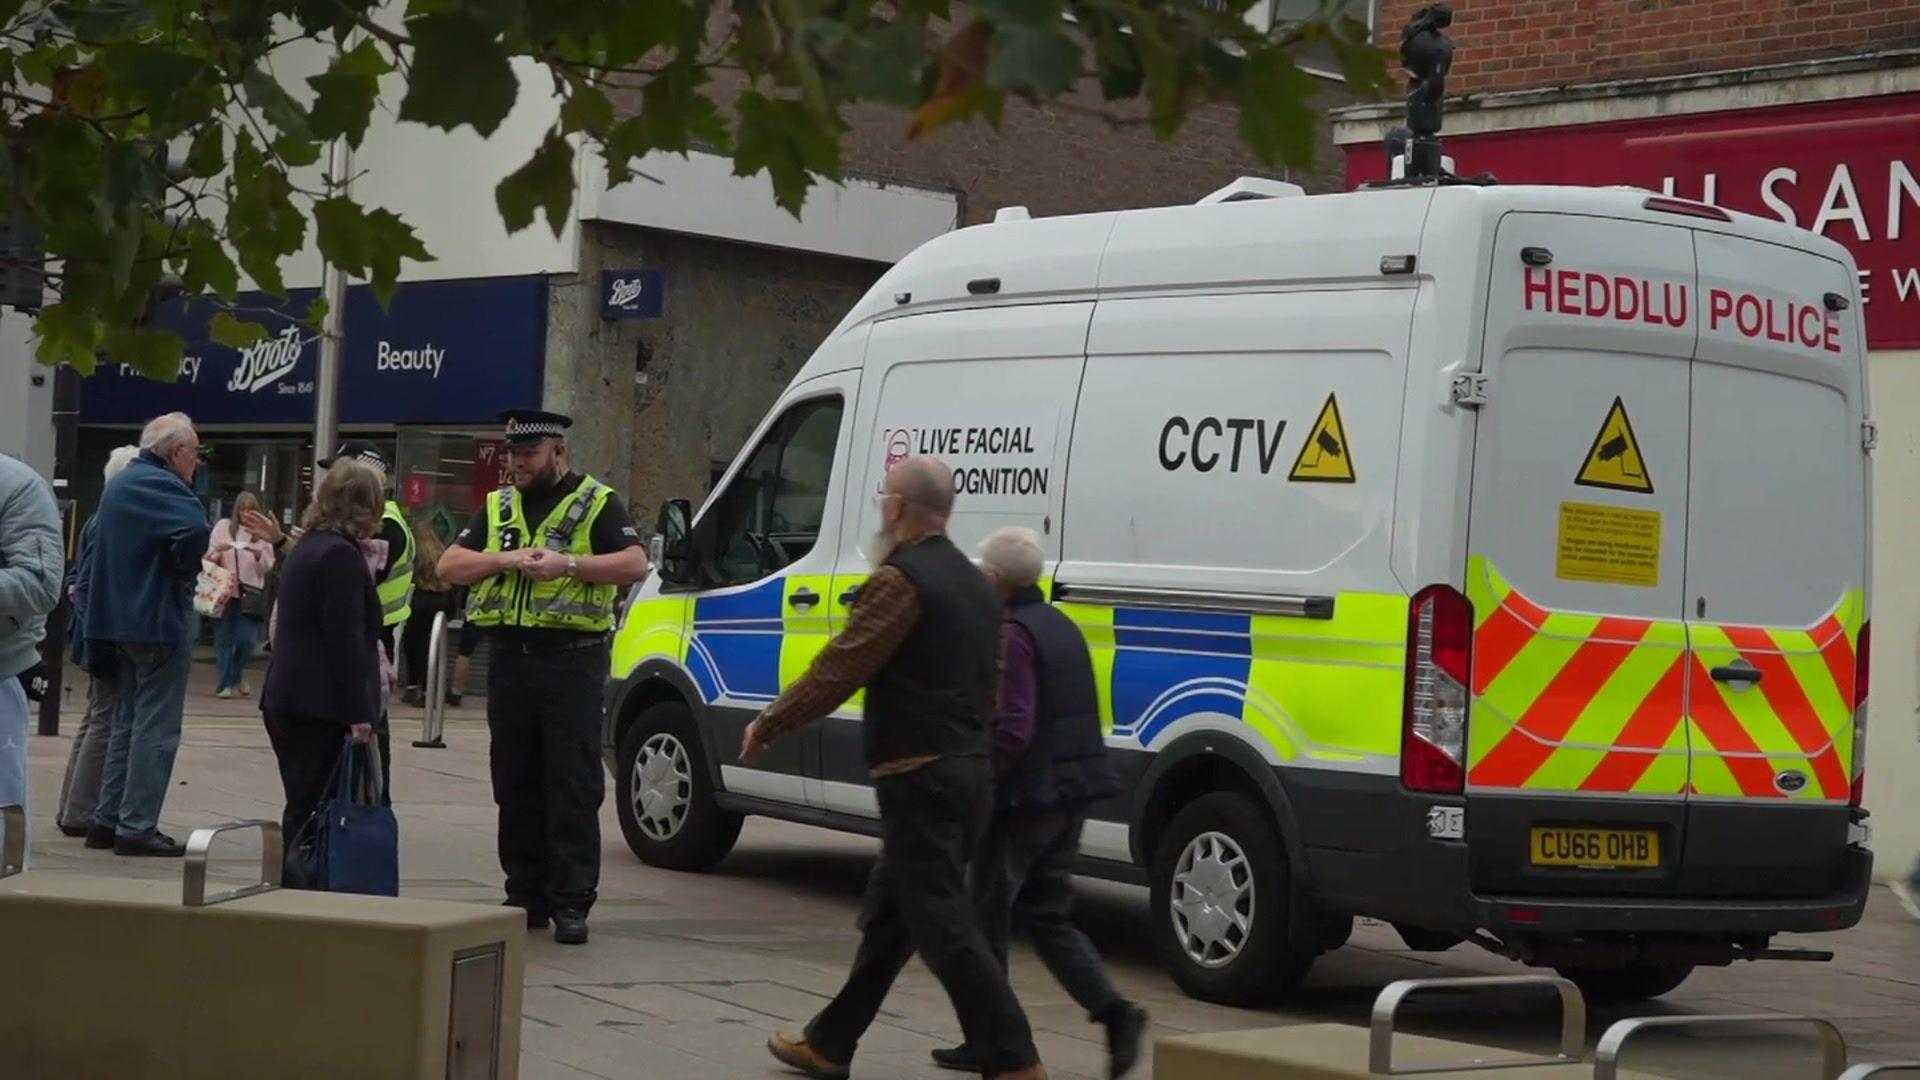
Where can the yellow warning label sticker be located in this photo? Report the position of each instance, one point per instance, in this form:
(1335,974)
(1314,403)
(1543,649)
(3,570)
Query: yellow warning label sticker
(1614,461)
(1324,458)
(1608,545)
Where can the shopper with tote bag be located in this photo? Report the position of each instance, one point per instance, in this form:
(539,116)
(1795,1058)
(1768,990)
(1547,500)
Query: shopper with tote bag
(325,688)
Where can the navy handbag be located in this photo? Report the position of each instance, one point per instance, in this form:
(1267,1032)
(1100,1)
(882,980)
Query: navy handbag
(359,838)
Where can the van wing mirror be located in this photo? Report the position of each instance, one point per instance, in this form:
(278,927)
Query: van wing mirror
(673,547)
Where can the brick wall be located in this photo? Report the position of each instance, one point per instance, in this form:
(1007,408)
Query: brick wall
(1528,44)
(1057,160)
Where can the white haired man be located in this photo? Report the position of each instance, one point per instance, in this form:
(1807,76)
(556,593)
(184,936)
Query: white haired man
(1050,764)
(152,533)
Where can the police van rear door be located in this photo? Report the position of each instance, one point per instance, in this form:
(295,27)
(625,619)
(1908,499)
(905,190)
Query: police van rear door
(1777,557)
(1577,750)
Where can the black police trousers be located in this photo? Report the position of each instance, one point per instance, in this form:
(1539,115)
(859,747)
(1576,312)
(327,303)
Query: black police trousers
(930,821)
(543,711)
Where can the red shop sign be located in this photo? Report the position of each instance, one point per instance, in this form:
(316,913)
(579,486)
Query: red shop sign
(1848,169)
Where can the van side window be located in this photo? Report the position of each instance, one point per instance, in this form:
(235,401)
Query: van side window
(770,516)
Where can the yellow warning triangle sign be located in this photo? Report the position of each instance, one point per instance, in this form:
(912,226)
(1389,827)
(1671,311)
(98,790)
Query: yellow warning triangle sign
(1614,461)
(1324,459)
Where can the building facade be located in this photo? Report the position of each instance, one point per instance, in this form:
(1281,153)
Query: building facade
(1801,110)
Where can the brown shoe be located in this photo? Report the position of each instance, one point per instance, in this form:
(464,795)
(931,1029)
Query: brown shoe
(1035,1071)
(799,1055)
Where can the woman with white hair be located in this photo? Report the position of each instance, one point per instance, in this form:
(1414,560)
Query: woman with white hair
(80,790)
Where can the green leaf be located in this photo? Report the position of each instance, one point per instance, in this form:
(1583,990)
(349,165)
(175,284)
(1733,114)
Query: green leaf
(345,93)
(586,109)
(544,182)
(317,312)
(886,65)
(154,353)
(393,240)
(143,76)
(208,266)
(287,116)
(67,333)
(235,334)
(208,154)
(1276,121)
(784,138)
(460,75)
(1041,60)
(366,244)
(263,223)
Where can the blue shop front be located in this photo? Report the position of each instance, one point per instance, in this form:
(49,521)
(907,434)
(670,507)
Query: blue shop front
(426,378)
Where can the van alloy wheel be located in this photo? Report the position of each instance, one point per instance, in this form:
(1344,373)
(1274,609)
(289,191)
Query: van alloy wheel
(662,786)
(1212,899)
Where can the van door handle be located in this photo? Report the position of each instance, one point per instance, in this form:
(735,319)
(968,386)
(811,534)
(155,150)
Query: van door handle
(1740,671)
(847,598)
(803,598)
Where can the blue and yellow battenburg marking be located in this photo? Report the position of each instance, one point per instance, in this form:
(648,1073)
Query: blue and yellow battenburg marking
(1325,691)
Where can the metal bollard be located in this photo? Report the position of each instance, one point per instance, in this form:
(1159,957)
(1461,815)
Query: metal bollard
(193,878)
(13,845)
(1573,1023)
(1833,1048)
(433,722)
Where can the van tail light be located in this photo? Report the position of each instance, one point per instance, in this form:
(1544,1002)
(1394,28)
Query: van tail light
(1433,743)
(1862,670)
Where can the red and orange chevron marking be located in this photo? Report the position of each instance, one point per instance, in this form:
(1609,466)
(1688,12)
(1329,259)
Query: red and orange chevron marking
(1614,705)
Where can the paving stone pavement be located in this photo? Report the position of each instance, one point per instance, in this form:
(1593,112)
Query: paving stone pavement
(686,974)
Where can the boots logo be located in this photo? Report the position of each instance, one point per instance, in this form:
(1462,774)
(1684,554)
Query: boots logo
(624,292)
(267,362)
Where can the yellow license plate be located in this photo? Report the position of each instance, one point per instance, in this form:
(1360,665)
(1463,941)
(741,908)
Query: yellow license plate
(1602,849)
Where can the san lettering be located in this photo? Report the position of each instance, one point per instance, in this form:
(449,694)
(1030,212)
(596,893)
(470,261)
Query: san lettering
(1607,296)
(1775,319)
(1208,442)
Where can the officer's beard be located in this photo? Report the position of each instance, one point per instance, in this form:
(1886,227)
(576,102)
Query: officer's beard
(544,482)
(880,547)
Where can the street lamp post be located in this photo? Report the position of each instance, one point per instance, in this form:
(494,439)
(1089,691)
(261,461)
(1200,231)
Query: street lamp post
(333,331)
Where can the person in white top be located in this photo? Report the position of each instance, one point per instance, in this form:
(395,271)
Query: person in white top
(236,635)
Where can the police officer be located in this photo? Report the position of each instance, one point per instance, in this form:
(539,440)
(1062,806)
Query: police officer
(546,559)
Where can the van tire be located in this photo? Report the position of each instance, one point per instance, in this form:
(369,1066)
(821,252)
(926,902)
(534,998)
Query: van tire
(660,753)
(1221,832)
(1622,985)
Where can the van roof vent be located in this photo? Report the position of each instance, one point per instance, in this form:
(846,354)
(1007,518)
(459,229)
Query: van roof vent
(1012,213)
(1253,187)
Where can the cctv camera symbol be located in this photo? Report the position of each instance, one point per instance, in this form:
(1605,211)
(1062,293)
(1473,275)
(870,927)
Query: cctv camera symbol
(1328,444)
(1613,448)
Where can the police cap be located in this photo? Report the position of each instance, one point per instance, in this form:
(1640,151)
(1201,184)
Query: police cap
(360,450)
(527,427)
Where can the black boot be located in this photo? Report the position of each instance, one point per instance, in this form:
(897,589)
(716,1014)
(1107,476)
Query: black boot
(570,926)
(153,845)
(1125,1028)
(100,837)
(960,1059)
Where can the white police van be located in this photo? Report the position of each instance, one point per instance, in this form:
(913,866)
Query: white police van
(1487,560)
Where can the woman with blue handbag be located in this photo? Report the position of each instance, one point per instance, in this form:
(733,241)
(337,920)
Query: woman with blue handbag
(325,681)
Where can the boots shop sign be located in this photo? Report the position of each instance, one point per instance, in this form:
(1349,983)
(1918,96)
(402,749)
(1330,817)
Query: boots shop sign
(1849,170)
(448,352)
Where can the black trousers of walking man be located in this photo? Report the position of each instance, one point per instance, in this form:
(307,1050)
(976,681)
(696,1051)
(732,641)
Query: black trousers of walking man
(1023,880)
(931,820)
(543,711)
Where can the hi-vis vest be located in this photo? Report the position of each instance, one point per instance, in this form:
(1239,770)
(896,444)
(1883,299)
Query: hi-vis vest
(396,593)
(516,600)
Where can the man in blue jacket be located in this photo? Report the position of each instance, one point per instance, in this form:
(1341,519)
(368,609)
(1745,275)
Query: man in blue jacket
(29,588)
(151,535)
